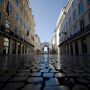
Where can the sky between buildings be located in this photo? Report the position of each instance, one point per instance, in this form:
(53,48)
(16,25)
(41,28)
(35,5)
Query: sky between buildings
(46,13)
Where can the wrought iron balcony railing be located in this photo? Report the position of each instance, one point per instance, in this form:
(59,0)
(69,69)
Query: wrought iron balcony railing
(10,34)
(77,35)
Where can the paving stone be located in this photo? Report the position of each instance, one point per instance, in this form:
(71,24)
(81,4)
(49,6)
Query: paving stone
(59,75)
(22,74)
(44,70)
(32,87)
(53,71)
(72,74)
(4,78)
(18,78)
(52,81)
(82,80)
(13,86)
(1,84)
(79,87)
(48,74)
(35,79)
(37,74)
(24,71)
(35,70)
(56,88)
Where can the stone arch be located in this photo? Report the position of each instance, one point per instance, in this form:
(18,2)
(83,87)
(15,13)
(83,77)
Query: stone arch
(45,44)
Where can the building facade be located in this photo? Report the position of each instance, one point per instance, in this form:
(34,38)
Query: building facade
(16,27)
(45,45)
(75,28)
(38,46)
(53,44)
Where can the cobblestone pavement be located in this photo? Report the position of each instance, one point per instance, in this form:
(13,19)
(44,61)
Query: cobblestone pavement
(44,72)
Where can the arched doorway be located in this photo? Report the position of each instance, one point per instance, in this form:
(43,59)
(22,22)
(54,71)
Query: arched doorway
(45,48)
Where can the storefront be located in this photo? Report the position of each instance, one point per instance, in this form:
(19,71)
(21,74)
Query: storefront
(13,47)
(22,49)
(6,46)
(19,48)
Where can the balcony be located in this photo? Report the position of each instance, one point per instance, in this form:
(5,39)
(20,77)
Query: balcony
(8,33)
(80,34)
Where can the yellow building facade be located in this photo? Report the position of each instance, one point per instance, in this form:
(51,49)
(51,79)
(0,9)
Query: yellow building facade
(16,27)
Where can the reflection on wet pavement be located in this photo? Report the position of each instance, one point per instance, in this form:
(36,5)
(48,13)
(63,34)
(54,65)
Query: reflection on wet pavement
(44,72)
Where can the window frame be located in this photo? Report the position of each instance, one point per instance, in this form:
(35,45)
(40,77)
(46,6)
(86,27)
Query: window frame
(75,29)
(8,23)
(16,15)
(74,15)
(15,29)
(80,7)
(21,10)
(17,3)
(10,7)
(20,21)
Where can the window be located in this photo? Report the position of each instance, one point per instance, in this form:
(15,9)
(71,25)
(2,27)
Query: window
(17,3)
(21,10)
(15,29)
(89,1)
(82,25)
(20,21)
(74,15)
(1,1)
(10,7)
(19,34)
(8,24)
(75,29)
(16,16)
(70,32)
(80,7)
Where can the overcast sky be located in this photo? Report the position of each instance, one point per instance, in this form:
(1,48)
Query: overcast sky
(46,13)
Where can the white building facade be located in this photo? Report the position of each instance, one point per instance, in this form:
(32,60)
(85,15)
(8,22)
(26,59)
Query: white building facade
(74,30)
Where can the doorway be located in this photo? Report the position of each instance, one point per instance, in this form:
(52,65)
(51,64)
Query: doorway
(6,46)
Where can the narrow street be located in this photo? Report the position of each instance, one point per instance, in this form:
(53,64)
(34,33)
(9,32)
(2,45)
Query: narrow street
(44,72)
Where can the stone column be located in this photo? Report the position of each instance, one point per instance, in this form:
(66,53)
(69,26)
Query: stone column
(74,53)
(10,47)
(88,45)
(16,48)
(1,44)
(79,46)
(21,48)
(69,50)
